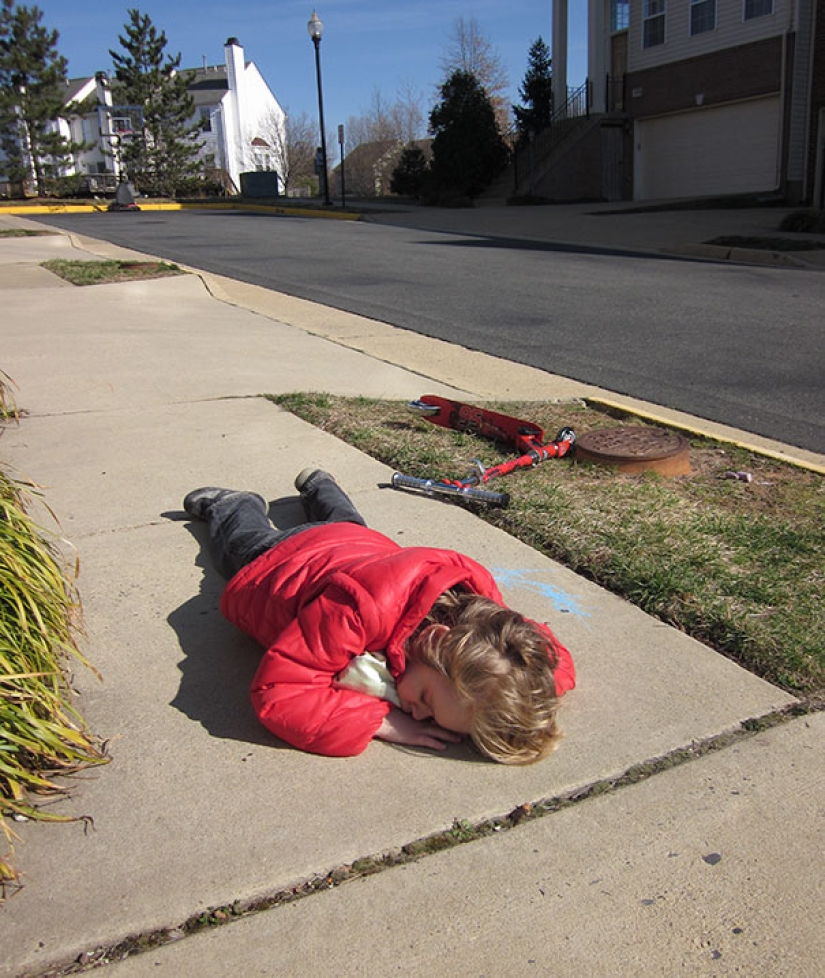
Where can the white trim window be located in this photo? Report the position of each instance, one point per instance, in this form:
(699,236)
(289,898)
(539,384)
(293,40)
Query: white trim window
(702,16)
(653,23)
(619,15)
(757,8)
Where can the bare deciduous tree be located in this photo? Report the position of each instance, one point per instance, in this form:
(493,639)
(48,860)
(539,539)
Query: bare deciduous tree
(410,120)
(375,139)
(469,50)
(402,120)
(294,144)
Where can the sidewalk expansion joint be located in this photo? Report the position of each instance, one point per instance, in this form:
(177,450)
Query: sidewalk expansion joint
(461,832)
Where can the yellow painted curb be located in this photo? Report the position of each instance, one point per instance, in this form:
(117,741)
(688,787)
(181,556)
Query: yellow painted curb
(288,211)
(24,209)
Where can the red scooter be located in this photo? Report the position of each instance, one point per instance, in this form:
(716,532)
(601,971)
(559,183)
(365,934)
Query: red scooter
(523,436)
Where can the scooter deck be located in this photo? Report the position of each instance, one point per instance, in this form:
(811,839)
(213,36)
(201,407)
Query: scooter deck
(478,421)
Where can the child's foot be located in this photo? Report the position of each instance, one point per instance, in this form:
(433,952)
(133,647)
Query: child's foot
(198,502)
(305,480)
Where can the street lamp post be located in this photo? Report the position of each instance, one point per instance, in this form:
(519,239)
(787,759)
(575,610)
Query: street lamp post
(316,28)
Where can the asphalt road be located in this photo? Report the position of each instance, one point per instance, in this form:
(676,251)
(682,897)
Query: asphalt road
(734,344)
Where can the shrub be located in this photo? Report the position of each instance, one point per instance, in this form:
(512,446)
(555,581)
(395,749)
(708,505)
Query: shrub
(409,177)
(811,221)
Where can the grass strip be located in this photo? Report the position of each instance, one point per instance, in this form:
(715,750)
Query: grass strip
(23,233)
(766,243)
(103,272)
(41,733)
(736,565)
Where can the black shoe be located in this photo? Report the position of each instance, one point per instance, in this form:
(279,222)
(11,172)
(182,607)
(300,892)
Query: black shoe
(305,481)
(198,502)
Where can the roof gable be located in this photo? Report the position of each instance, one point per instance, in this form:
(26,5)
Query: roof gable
(78,89)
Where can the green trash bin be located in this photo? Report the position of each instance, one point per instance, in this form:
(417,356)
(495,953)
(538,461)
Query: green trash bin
(259,183)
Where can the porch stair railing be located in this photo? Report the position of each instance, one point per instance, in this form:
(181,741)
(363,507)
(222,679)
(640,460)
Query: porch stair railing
(529,159)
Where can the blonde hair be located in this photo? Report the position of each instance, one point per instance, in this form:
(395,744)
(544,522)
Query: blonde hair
(501,665)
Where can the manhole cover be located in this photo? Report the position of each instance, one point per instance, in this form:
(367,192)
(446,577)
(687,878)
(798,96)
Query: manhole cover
(636,449)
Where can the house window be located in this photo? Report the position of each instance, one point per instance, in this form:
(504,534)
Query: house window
(702,16)
(757,8)
(619,15)
(653,24)
(205,119)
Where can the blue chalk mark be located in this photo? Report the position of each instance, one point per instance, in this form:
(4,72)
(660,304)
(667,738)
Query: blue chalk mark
(561,600)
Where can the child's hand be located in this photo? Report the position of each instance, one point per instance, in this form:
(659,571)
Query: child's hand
(398,727)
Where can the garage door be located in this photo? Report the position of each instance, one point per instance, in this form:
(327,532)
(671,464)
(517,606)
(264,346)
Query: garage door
(728,149)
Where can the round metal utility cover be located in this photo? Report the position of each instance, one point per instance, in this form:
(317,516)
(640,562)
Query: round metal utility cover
(636,449)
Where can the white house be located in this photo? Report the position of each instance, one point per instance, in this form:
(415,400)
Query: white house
(243,127)
(90,120)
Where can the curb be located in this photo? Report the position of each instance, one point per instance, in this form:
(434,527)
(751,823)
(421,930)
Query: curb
(742,256)
(22,210)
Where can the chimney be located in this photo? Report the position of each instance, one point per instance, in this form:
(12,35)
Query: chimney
(234,65)
(102,89)
(235,122)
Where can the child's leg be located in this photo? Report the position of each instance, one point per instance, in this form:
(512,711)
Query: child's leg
(239,528)
(324,501)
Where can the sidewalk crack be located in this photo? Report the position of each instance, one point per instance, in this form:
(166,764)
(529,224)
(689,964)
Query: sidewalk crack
(460,832)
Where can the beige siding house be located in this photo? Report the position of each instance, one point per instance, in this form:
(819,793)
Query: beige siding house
(713,87)
(714,97)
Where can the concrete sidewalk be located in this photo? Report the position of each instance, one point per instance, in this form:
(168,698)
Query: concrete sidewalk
(624,229)
(136,393)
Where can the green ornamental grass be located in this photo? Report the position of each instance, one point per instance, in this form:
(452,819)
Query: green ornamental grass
(8,405)
(41,733)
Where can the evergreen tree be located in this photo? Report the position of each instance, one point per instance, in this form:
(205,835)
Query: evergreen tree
(468,151)
(409,177)
(162,155)
(537,92)
(32,90)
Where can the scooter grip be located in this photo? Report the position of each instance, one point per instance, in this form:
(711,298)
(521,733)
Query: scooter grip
(431,487)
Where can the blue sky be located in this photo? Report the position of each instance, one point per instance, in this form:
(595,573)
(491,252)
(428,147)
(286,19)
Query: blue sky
(367,44)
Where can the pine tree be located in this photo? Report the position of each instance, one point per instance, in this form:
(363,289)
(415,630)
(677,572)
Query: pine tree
(409,177)
(32,92)
(468,150)
(537,92)
(162,155)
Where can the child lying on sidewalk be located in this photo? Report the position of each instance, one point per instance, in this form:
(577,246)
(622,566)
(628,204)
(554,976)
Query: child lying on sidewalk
(366,639)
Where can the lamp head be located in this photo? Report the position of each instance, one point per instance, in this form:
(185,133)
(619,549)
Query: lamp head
(315,27)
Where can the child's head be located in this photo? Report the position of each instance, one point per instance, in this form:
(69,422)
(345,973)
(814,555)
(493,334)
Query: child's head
(500,667)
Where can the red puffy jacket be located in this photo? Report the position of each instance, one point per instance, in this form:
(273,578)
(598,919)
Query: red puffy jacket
(326,595)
